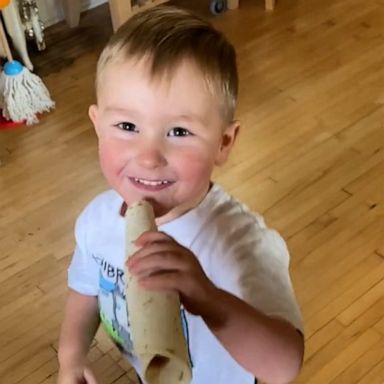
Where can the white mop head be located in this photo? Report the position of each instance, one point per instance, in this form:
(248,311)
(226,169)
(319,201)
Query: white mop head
(24,96)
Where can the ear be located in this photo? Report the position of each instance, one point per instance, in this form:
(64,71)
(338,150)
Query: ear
(93,115)
(228,139)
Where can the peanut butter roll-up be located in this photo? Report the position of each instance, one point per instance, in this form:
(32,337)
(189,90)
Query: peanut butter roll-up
(154,317)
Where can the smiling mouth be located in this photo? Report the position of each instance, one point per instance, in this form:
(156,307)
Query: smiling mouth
(150,185)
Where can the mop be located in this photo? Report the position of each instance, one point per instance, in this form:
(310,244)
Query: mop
(22,94)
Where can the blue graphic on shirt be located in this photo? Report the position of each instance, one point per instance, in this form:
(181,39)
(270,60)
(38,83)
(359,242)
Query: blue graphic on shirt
(113,307)
(186,334)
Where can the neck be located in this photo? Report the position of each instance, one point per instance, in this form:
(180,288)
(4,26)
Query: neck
(174,213)
(180,210)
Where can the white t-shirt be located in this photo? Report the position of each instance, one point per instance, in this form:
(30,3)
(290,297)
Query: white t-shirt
(235,249)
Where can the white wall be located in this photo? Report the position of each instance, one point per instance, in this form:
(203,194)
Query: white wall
(51,11)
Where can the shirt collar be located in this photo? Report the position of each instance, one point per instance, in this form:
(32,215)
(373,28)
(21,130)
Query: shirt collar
(186,227)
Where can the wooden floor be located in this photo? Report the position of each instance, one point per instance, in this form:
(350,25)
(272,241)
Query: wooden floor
(310,158)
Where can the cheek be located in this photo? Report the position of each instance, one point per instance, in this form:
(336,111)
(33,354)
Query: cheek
(109,158)
(194,166)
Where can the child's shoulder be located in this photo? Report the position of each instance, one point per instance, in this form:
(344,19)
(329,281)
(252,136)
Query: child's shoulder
(237,228)
(105,204)
(228,210)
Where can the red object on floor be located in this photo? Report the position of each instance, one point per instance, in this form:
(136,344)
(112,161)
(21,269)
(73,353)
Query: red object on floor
(8,124)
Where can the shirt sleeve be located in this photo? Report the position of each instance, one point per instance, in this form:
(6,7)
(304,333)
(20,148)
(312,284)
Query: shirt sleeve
(254,266)
(83,272)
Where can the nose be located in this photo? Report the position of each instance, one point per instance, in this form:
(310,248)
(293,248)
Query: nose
(151,156)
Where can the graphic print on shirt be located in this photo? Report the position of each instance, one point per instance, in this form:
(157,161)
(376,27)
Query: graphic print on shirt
(186,334)
(113,307)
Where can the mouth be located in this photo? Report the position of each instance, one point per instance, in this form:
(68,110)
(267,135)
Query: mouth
(150,185)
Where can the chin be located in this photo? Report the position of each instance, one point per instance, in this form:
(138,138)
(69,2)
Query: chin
(158,208)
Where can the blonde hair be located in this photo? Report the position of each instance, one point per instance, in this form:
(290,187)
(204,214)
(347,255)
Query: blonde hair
(167,35)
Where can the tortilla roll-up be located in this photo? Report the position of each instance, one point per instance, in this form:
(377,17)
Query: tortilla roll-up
(154,317)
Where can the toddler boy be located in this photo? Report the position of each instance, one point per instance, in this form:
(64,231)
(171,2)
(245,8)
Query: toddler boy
(166,95)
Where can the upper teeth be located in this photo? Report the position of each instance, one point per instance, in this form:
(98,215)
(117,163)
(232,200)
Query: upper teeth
(151,182)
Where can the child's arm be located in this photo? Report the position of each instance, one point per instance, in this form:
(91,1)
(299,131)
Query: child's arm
(81,320)
(271,349)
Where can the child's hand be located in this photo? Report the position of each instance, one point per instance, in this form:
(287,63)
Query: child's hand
(163,264)
(76,376)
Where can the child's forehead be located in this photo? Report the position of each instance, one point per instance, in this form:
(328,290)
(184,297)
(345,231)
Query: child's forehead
(129,85)
(182,75)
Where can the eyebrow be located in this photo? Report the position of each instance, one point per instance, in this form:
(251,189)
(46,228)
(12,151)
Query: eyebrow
(184,116)
(120,110)
(190,117)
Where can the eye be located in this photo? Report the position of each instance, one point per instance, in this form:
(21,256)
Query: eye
(179,132)
(126,126)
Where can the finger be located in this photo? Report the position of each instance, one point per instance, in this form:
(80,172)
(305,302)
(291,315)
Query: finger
(152,237)
(156,262)
(151,249)
(168,281)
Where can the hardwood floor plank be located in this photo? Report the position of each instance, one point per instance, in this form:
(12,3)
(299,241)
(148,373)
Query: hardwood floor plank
(363,365)
(19,369)
(345,359)
(331,361)
(106,370)
(348,288)
(362,303)
(41,374)
(334,258)
(374,376)
(322,337)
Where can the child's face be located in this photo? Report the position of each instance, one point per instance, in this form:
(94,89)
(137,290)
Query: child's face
(159,140)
